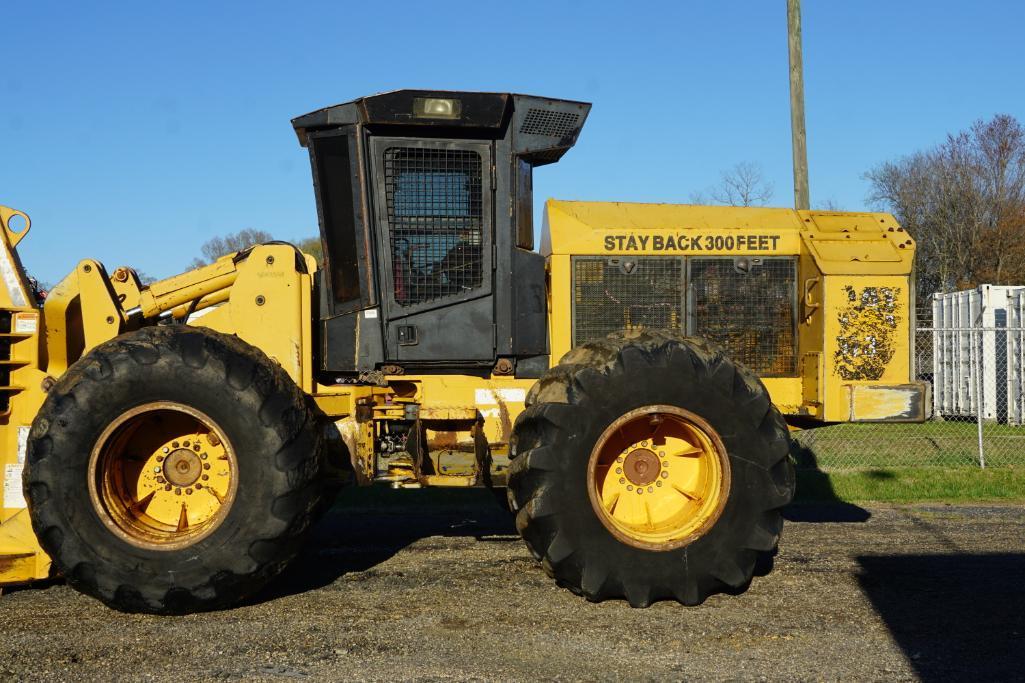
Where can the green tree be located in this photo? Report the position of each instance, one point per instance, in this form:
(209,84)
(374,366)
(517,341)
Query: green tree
(313,247)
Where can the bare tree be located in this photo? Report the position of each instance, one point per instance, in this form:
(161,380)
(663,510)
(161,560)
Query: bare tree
(217,247)
(963,202)
(743,185)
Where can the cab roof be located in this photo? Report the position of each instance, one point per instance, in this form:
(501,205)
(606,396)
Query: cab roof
(475,110)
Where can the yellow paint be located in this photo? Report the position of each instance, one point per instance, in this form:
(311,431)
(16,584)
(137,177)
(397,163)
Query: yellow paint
(659,487)
(269,307)
(448,413)
(334,405)
(164,295)
(264,299)
(143,495)
(585,227)
(867,336)
(862,250)
(449,481)
(21,558)
(12,238)
(786,392)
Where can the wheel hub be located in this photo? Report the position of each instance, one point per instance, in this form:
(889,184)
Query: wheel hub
(658,477)
(182,467)
(642,467)
(162,476)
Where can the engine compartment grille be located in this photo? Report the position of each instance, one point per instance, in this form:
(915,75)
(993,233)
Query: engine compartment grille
(435,222)
(748,306)
(749,312)
(613,294)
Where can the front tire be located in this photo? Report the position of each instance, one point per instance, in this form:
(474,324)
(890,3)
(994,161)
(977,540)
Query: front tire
(172,470)
(650,407)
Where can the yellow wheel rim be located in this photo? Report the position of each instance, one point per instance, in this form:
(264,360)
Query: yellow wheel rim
(658,477)
(162,476)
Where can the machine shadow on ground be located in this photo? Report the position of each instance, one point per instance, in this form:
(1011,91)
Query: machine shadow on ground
(816,499)
(367,526)
(957,617)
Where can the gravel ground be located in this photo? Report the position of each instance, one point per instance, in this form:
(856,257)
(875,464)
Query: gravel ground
(397,586)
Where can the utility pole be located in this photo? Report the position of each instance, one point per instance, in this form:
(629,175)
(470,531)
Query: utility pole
(800,144)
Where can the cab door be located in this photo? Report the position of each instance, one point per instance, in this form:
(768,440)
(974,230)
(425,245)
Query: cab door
(433,210)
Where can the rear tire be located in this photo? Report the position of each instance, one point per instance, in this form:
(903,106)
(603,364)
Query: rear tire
(143,564)
(570,410)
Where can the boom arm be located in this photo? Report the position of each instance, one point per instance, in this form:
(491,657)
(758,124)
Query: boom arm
(88,308)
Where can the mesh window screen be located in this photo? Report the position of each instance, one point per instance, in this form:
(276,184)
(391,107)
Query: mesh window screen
(435,222)
(750,313)
(610,295)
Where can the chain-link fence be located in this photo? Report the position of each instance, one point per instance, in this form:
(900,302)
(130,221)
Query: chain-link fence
(977,377)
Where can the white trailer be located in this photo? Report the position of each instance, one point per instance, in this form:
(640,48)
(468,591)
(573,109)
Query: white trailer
(978,352)
(1016,358)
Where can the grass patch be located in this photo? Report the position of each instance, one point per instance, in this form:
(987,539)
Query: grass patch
(933,444)
(912,485)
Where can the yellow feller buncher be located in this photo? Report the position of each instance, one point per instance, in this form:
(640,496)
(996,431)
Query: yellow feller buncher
(166,447)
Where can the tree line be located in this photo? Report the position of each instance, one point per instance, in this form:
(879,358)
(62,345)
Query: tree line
(217,247)
(964,203)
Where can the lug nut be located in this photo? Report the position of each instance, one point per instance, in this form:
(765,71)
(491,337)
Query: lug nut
(160,480)
(166,449)
(177,492)
(619,459)
(665,475)
(199,486)
(160,458)
(167,488)
(206,477)
(156,469)
(622,480)
(658,483)
(665,463)
(203,457)
(661,454)
(640,490)
(195,447)
(206,465)
(185,444)
(651,489)
(174,444)
(629,488)
(188,492)
(619,470)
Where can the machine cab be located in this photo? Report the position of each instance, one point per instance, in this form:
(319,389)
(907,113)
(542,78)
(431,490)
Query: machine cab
(425,207)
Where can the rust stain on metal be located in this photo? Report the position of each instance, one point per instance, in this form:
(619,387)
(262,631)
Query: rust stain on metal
(444,440)
(866,342)
(10,563)
(504,420)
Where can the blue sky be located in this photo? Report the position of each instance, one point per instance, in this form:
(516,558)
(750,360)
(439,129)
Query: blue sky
(132,132)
